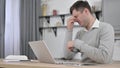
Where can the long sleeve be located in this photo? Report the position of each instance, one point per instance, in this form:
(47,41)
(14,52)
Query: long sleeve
(103,53)
(68,37)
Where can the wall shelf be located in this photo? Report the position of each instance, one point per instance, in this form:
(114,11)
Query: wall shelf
(54,28)
(97,13)
(60,15)
(54,15)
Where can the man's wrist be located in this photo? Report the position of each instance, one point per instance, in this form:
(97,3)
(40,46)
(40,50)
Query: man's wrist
(78,43)
(75,50)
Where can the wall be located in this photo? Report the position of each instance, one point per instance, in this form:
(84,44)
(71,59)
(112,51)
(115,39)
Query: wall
(111,14)
(62,6)
(55,43)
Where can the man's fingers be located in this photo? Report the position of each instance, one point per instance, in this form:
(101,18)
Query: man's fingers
(70,48)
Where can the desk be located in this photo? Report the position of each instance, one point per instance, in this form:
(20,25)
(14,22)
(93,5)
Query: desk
(29,64)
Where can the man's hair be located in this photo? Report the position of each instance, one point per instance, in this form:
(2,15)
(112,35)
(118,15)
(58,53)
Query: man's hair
(80,6)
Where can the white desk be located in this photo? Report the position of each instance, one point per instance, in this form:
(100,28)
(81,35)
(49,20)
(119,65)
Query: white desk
(29,64)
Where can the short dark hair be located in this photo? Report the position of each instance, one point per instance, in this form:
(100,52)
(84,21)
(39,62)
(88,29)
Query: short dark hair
(80,6)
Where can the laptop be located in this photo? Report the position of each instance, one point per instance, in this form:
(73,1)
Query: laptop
(44,55)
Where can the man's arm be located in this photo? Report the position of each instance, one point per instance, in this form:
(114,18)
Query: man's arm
(68,54)
(102,54)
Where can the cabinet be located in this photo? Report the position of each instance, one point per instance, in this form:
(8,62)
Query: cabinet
(55,27)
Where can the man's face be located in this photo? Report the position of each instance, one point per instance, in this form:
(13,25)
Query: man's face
(81,17)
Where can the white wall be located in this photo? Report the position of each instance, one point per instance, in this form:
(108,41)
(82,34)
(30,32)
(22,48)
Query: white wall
(62,6)
(111,14)
(56,43)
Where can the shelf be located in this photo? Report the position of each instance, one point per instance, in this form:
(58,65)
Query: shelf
(57,27)
(54,28)
(54,15)
(97,13)
(61,15)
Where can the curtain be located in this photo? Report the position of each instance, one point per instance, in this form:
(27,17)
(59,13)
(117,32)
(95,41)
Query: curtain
(2,27)
(29,25)
(12,27)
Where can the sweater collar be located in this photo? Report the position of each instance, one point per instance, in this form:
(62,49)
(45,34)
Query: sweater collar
(95,25)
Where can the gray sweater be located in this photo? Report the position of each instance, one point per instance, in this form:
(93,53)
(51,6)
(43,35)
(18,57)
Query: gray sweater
(96,45)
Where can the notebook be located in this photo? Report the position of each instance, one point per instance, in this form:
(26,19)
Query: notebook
(44,55)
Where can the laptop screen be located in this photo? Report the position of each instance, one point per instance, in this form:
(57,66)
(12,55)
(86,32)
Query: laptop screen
(41,51)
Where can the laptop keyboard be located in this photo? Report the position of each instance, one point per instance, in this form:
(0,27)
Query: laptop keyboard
(68,62)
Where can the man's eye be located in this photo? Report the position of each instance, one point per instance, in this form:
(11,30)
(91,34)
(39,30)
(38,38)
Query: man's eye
(75,16)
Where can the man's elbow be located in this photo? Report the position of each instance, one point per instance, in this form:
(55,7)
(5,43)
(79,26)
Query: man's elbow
(106,60)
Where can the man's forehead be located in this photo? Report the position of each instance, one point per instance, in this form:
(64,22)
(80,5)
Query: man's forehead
(75,12)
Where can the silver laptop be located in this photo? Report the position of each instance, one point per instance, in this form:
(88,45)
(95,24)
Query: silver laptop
(43,54)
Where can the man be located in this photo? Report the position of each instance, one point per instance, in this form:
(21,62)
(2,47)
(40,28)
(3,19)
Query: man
(95,40)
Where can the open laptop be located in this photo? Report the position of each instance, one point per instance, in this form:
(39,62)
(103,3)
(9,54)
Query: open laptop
(43,54)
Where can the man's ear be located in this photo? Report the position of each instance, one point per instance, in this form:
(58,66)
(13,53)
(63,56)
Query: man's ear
(86,11)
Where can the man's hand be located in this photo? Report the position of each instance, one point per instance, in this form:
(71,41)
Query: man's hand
(70,22)
(70,45)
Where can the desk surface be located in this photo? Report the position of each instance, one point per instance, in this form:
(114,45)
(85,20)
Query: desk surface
(28,64)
